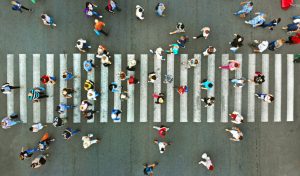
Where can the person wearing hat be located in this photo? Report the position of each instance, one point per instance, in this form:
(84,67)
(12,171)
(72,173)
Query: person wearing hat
(206,162)
(6,88)
(160,98)
(85,105)
(209,101)
(152,77)
(115,115)
(205,84)
(45,79)
(89,84)
(69,132)
(131,64)
(99,27)
(68,92)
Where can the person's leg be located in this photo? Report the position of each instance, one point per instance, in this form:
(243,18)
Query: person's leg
(296,17)
(103,32)
(199,36)
(74,132)
(23,7)
(14,87)
(43,96)
(94,141)
(226,67)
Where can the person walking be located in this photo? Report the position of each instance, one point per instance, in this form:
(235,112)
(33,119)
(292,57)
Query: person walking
(174,49)
(62,108)
(182,89)
(236,133)
(48,79)
(113,87)
(6,88)
(179,28)
(292,28)
(122,76)
(68,92)
(69,75)
(88,66)
(168,79)
(271,24)
(85,106)
(269,98)
(112,6)
(259,46)
(236,43)
(26,154)
(102,51)
(205,31)
(132,80)
(39,161)
(246,9)
(37,127)
(295,39)
(152,77)
(160,8)
(90,10)
(236,117)
(116,115)
(162,145)
(82,45)
(99,27)
(18,6)
(205,84)
(89,84)
(124,95)
(232,65)
(158,53)
(139,12)
(87,141)
(69,132)
(258,79)
(191,63)
(159,98)
(209,50)
(206,162)
(59,122)
(89,114)
(105,61)
(148,168)
(296,58)
(162,130)
(44,143)
(92,94)
(238,82)
(9,121)
(276,44)
(182,41)
(36,94)
(258,20)
(47,20)
(209,101)
(131,65)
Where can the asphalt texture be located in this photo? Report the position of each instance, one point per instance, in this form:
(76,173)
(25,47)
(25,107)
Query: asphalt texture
(268,149)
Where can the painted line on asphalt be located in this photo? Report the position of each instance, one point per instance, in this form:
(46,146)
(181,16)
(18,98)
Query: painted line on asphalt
(183,82)
(251,89)
(91,76)
(143,88)
(130,101)
(62,83)
(170,89)
(278,77)
(290,88)
(104,94)
(224,89)
(265,87)
(118,65)
(10,80)
(23,88)
(197,89)
(211,93)
(238,91)
(36,83)
(77,87)
(157,89)
(50,89)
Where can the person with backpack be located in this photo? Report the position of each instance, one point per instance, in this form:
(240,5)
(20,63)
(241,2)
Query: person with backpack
(39,161)
(160,8)
(18,6)
(9,121)
(90,10)
(48,79)
(7,88)
(148,168)
(162,145)
(92,94)
(36,94)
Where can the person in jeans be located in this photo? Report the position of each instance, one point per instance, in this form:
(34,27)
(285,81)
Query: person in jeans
(7,88)
(160,8)
(69,132)
(9,121)
(148,168)
(62,108)
(47,20)
(204,33)
(271,24)
(69,75)
(246,9)
(112,6)
(179,28)
(182,41)
(295,39)
(36,94)
(269,98)
(18,6)
(258,20)
(25,154)
(90,10)
(99,27)
(276,44)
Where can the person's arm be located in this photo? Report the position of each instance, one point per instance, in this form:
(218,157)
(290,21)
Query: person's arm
(235,140)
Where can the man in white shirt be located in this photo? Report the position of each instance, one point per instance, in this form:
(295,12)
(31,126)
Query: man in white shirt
(162,145)
(205,33)
(259,46)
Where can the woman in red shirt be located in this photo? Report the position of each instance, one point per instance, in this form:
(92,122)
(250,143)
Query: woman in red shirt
(293,39)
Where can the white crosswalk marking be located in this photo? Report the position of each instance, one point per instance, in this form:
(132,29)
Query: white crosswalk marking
(197,89)
(170,92)
(36,83)
(211,93)
(143,88)
(10,80)
(77,87)
(238,91)
(130,101)
(104,94)
(91,76)
(62,84)
(277,101)
(290,88)
(265,87)
(251,89)
(224,90)
(183,82)
(157,89)
(50,90)
(118,65)
(23,88)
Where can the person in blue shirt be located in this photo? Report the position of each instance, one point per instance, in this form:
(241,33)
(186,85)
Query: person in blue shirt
(68,76)
(205,84)
(174,49)
(88,65)
(115,115)
(148,168)
(246,9)
(25,154)
(160,8)
(69,132)
(36,94)
(62,108)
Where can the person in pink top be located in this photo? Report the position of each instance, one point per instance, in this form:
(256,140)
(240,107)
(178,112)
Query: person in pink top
(232,65)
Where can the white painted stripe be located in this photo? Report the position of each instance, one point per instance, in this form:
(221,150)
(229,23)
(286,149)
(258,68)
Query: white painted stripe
(170,89)
(277,101)
(104,94)
(77,87)
(211,93)
(143,88)
(10,80)
(50,89)
(157,89)
(238,91)
(118,65)
(290,88)
(91,76)
(36,83)
(23,89)
(224,89)
(251,89)
(183,82)
(130,101)
(62,82)
(265,87)
(197,89)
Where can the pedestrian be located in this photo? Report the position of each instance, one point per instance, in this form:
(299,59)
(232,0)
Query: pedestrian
(92,94)
(48,79)
(259,78)
(168,79)
(236,133)
(296,19)
(269,98)
(6,88)
(69,132)
(88,141)
(113,87)
(276,44)
(112,6)
(236,117)
(207,162)
(116,115)
(162,130)
(246,9)
(160,8)
(82,45)
(296,58)
(148,168)
(131,65)
(238,82)
(36,94)
(259,46)
(124,95)
(236,43)
(139,12)
(58,122)
(90,10)
(36,127)
(191,63)
(158,53)
(39,161)
(122,76)
(174,49)
(205,31)
(258,20)
(132,80)
(88,65)
(179,28)
(209,101)
(89,114)
(85,105)
(47,20)
(182,89)
(88,84)
(205,84)
(271,24)
(25,154)
(231,66)
(99,28)
(102,50)
(209,50)
(162,145)
(62,108)
(290,28)
(152,77)
(69,75)
(295,39)
(68,92)
(182,41)
(44,143)
(9,121)
(159,98)
(18,6)
(105,61)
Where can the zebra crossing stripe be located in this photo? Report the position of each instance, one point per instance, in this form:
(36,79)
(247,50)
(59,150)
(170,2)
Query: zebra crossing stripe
(211,93)
(91,76)
(36,83)
(197,88)
(62,83)
(277,101)
(77,87)
(238,91)
(290,88)
(251,89)
(183,82)
(118,65)
(23,88)
(157,89)
(265,87)
(104,94)
(224,90)
(170,89)
(143,88)
(10,80)
(130,101)
(50,90)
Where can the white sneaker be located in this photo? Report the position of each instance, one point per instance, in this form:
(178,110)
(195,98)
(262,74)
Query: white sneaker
(194,37)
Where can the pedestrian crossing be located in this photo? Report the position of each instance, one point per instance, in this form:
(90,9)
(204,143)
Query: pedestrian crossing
(138,109)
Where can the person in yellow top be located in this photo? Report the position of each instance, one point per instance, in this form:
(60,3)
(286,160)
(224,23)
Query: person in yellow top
(98,27)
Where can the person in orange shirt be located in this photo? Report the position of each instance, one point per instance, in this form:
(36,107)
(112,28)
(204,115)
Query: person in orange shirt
(98,27)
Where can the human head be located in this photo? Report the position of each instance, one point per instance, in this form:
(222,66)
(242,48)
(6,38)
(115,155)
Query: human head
(278,20)
(236,65)
(96,20)
(210,85)
(64,75)
(43,16)
(31,129)
(196,61)
(251,3)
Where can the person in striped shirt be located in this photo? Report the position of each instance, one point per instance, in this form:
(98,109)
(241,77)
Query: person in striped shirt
(36,94)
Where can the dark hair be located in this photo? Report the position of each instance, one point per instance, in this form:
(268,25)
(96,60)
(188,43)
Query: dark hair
(162,149)
(212,98)
(242,120)
(278,20)
(2,90)
(271,98)
(153,77)
(236,65)
(31,129)
(43,16)
(210,85)
(64,75)
(241,138)
(251,3)
(42,160)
